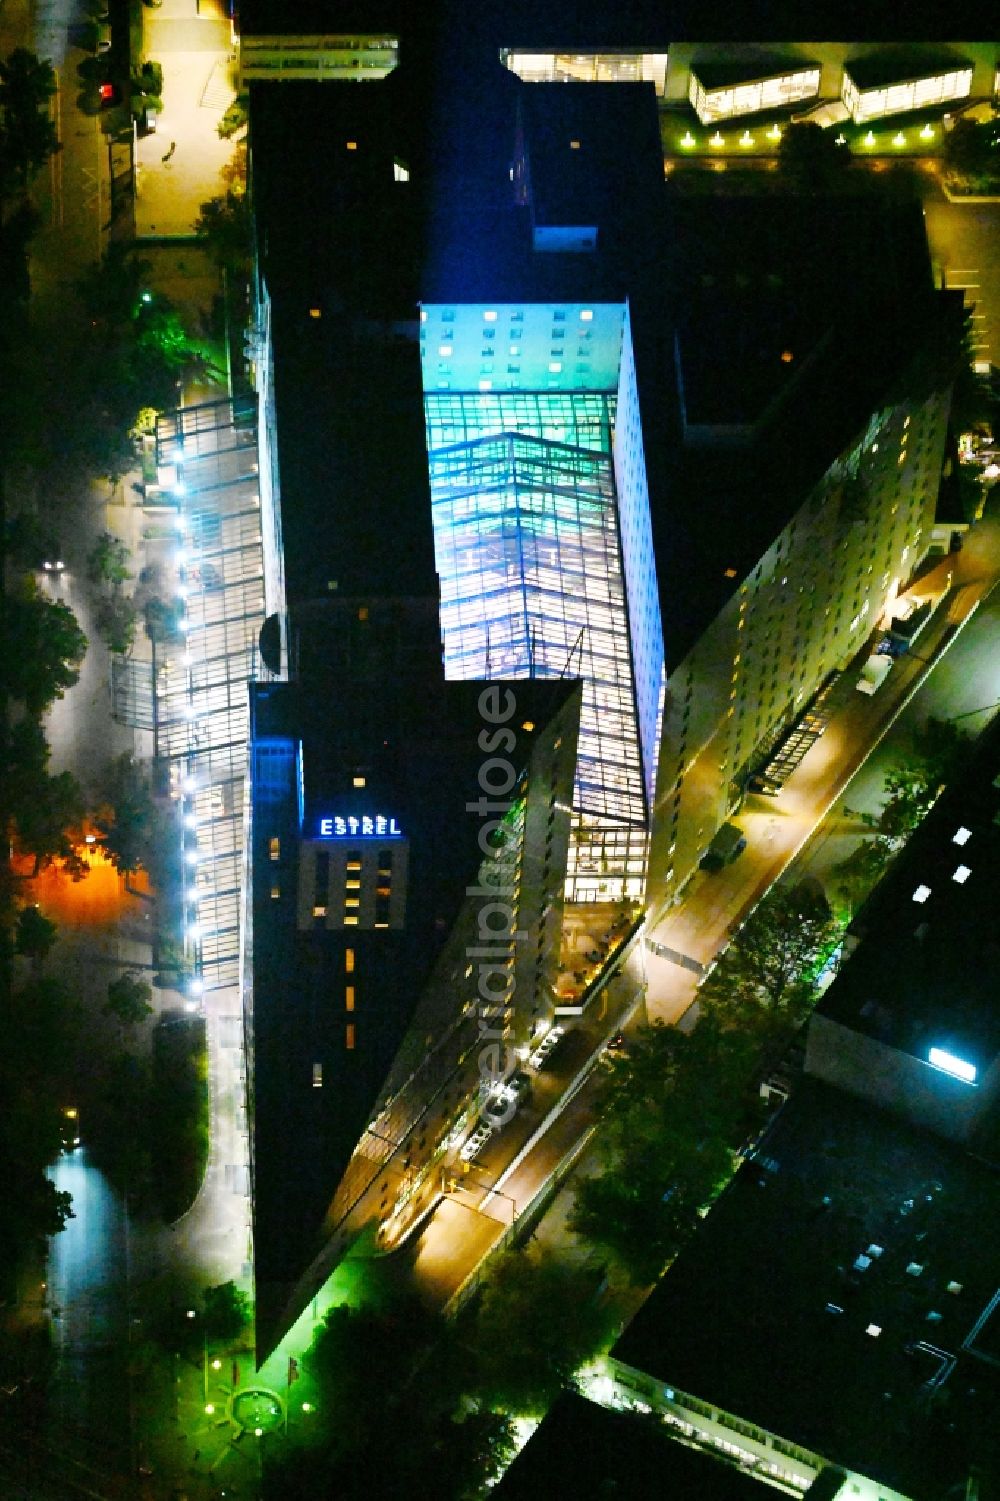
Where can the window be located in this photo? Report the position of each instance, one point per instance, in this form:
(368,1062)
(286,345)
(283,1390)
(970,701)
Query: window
(319,911)
(353,860)
(274,847)
(317,1076)
(349,998)
(275,892)
(349,1036)
(349,961)
(350,921)
(352,901)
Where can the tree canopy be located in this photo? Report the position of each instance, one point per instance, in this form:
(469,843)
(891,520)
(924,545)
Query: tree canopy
(766,976)
(811,156)
(27,132)
(43,648)
(128,999)
(538,1320)
(127,819)
(676,1107)
(226,1311)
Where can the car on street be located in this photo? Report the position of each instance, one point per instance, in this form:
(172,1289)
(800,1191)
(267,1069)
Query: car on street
(69,1128)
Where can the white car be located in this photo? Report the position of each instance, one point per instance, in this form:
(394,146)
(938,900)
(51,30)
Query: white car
(545,1047)
(476,1142)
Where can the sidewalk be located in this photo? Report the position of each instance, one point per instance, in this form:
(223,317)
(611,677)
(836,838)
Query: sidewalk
(179,168)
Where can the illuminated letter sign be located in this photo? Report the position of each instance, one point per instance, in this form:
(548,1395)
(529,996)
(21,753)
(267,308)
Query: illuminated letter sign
(367,826)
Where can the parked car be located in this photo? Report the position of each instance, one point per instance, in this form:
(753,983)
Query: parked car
(545,1047)
(474,1144)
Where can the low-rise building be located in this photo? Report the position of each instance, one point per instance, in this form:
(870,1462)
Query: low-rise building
(833,1311)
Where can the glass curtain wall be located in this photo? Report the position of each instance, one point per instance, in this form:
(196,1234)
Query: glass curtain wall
(529,556)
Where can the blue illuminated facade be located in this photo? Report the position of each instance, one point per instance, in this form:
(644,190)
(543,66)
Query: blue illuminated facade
(544,545)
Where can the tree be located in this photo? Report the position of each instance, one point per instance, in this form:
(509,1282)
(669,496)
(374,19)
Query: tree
(916,781)
(27,133)
(128,999)
(127,819)
(538,1321)
(861,871)
(971,152)
(108,560)
(676,1108)
(35,934)
(44,813)
(767,973)
(115,617)
(361,1359)
(636,1219)
(235,118)
(226,227)
(227,1311)
(811,157)
(43,648)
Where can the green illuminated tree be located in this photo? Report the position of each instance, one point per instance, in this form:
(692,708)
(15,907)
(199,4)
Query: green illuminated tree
(227,1311)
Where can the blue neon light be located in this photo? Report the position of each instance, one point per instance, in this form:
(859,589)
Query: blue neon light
(368,826)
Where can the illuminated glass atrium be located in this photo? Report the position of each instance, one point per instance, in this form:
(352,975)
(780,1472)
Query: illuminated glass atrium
(539,575)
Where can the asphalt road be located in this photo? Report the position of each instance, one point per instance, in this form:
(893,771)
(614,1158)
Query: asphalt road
(86,1293)
(965,687)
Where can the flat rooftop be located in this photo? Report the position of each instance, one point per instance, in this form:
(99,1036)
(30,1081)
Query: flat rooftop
(878,70)
(925,971)
(591,1453)
(781,356)
(551,26)
(835,1278)
(749,66)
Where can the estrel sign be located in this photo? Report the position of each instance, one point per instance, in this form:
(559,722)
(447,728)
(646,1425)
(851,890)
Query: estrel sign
(367,826)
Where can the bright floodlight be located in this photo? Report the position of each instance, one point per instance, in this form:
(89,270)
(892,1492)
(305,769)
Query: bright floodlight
(192,857)
(180,488)
(922,893)
(196,987)
(952,1065)
(961,874)
(962,835)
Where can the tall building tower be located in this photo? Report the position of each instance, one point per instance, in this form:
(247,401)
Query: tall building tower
(544,548)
